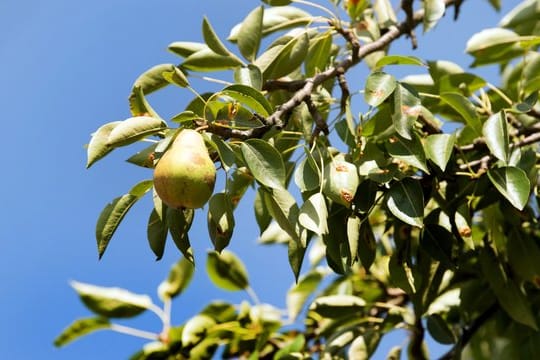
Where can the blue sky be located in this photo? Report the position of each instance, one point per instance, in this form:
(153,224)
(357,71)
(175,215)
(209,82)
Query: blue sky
(66,68)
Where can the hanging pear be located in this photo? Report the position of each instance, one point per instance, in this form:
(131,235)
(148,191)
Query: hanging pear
(185,175)
(341,181)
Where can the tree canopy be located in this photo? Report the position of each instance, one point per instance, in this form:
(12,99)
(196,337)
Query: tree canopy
(418,212)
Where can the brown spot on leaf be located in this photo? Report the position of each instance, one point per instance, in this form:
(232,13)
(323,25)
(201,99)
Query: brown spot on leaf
(465,231)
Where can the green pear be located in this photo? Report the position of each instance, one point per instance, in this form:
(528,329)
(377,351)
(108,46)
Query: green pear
(341,181)
(185,175)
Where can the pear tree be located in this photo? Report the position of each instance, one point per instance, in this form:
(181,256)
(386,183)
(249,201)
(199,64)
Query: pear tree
(405,202)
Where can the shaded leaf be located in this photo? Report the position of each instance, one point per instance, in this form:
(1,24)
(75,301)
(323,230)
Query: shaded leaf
(145,157)
(439,148)
(186,48)
(284,210)
(334,306)
(81,327)
(176,76)
(465,108)
(134,129)
(179,278)
(179,223)
(207,60)
(405,200)
(113,214)
(212,40)
(495,132)
(196,329)
(281,60)
(262,213)
(220,220)
(148,82)
(226,271)
(437,242)
(224,150)
(512,183)
(367,246)
(319,53)
(98,146)
(111,302)
(379,86)
(439,330)
(250,33)
(157,233)
(264,162)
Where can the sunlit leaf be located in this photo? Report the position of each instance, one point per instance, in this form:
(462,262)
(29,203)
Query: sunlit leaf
(186,48)
(226,271)
(111,302)
(264,162)
(179,278)
(353,236)
(495,131)
(319,53)
(148,82)
(433,12)
(399,60)
(98,146)
(195,329)
(249,75)
(207,60)
(405,200)
(439,148)
(407,108)
(409,151)
(306,177)
(281,60)
(465,108)
(313,214)
(81,327)
(299,293)
(134,129)
(176,76)
(284,210)
(512,183)
(250,97)
(114,213)
(379,86)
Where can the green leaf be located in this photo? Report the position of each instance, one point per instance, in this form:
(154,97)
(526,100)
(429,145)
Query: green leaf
(405,200)
(250,34)
(186,48)
(134,129)
(148,82)
(220,220)
(379,86)
(367,246)
(296,251)
(264,162)
(465,108)
(319,54)
(461,82)
(113,214)
(407,107)
(301,291)
(98,146)
(157,233)
(248,96)
(145,157)
(512,183)
(439,330)
(81,327)
(284,210)
(195,329)
(179,222)
(438,242)
(212,40)
(176,76)
(399,60)
(207,60)
(262,214)
(306,177)
(353,236)
(409,151)
(509,295)
(281,60)
(227,271)
(495,132)
(313,214)
(384,11)
(277,2)
(225,152)
(523,255)
(292,349)
(439,148)
(237,184)
(179,278)
(334,306)
(249,75)
(111,302)
(433,12)
(495,45)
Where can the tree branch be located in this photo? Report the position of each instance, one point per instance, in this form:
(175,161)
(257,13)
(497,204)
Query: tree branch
(304,88)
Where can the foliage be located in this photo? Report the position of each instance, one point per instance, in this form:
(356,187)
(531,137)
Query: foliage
(419,212)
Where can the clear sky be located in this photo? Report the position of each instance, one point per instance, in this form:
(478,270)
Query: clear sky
(66,68)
